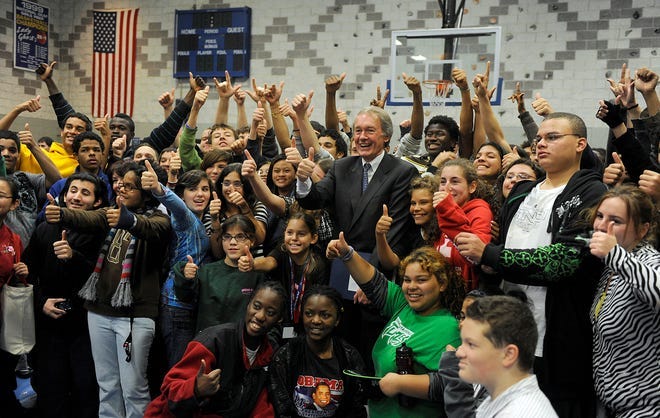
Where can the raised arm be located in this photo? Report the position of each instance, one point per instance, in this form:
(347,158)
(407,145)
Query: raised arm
(249,170)
(529,125)
(31,106)
(241,113)
(61,106)
(492,127)
(466,122)
(47,166)
(103,127)
(166,100)
(272,96)
(165,134)
(645,82)
(225,92)
(417,115)
(332,84)
(300,104)
(387,257)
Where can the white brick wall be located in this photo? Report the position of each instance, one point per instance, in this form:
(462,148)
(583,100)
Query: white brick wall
(576,88)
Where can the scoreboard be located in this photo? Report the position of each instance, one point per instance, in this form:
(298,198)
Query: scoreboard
(210,41)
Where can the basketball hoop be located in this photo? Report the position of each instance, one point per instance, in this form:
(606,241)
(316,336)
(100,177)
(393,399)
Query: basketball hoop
(441,89)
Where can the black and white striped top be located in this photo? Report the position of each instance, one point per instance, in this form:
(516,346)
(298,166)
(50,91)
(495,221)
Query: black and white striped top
(626,345)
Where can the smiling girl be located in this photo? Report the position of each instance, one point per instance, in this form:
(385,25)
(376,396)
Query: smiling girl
(460,208)
(186,206)
(624,313)
(237,198)
(422,314)
(220,289)
(224,370)
(314,359)
(295,263)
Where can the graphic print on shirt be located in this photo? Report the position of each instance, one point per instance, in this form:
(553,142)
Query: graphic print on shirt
(317,396)
(396,333)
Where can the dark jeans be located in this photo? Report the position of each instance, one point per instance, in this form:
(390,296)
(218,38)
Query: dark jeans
(67,381)
(177,326)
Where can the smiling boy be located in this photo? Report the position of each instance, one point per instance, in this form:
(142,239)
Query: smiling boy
(499,338)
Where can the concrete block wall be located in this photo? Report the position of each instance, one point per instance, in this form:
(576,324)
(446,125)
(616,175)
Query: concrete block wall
(563,49)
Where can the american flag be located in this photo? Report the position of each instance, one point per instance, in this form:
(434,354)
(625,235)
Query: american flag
(113,67)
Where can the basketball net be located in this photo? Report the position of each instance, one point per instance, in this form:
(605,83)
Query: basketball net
(440,90)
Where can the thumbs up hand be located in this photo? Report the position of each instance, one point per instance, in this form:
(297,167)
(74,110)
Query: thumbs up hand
(149,180)
(52,211)
(190,269)
(175,165)
(62,249)
(26,138)
(249,167)
(614,173)
(112,214)
(246,261)
(439,196)
(206,384)
(541,106)
(337,247)
(292,154)
(214,206)
(602,242)
(384,223)
(300,103)
(119,146)
(306,166)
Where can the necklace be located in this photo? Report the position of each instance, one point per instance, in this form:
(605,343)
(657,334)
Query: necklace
(601,299)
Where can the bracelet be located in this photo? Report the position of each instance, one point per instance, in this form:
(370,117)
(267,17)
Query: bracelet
(465,89)
(633,106)
(295,130)
(348,255)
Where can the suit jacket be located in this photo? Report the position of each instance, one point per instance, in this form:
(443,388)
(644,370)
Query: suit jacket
(357,213)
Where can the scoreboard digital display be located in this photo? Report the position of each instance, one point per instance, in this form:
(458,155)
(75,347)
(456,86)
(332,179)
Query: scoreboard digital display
(210,41)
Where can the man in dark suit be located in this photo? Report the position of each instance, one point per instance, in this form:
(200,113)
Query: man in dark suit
(357,212)
(355,190)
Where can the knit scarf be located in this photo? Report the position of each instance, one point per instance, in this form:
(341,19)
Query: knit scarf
(123,296)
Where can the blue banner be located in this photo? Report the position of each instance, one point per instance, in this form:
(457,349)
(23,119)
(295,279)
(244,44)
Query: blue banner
(30,35)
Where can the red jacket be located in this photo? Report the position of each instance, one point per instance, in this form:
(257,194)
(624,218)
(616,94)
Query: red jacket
(475,217)
(242,386)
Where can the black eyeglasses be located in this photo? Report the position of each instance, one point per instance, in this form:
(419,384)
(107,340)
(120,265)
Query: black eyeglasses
(240,238)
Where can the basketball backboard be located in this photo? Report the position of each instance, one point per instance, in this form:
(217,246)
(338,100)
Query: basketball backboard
(431,54)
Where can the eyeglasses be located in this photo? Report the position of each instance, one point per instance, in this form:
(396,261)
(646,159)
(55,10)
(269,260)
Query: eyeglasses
(240,238)
(519,176)
(127,186)
(552,137)
(236,184)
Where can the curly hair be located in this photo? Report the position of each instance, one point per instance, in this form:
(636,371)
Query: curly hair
(430,183)
(437,265)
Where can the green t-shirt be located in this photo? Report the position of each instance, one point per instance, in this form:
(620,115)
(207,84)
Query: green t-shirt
(222,292)
(427,336)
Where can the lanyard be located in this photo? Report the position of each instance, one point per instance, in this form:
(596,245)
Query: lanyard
(297,294)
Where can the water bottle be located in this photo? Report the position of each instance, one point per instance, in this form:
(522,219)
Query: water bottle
(404,365)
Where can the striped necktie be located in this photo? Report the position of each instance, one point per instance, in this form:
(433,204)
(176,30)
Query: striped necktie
(365,176)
